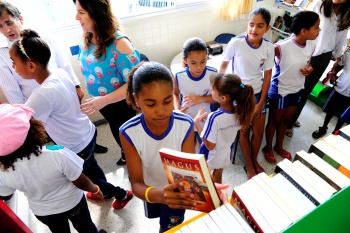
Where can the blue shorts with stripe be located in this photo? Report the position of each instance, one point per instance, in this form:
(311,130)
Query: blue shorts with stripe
(276,101)
(257,99)
(336,102)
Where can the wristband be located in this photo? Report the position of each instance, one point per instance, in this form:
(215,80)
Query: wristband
(146,194)
(98,190)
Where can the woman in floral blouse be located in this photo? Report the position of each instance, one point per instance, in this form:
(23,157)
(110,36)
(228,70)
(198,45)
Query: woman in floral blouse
(106,56)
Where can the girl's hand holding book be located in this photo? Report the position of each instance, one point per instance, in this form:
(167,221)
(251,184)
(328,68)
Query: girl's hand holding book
(178,200)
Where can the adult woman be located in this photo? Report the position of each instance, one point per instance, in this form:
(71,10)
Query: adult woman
(106,57)
(335,21)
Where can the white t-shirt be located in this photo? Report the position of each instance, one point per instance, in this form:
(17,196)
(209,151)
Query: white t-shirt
(46,180)
(188,85)
(249,62)
(220,128)
(343,82)
(287,78)
(56,104)
(329,39)
(148,145)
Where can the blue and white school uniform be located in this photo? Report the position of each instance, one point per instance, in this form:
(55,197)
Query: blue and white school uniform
(147,146)
(219,128)
(287,78)
(249,62)
(189,85)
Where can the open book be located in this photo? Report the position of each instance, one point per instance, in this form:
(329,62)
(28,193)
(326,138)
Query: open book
(193,171)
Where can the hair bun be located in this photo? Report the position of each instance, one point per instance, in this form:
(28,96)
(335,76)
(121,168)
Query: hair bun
(28,33)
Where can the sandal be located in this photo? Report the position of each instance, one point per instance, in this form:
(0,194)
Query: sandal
(297,124)
(289,133)
(269,158)
(287,155)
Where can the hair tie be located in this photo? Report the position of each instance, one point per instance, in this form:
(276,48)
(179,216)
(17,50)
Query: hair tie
(22,49)
(242,85)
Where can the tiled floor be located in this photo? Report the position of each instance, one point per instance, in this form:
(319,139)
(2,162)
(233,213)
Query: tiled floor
(132,219)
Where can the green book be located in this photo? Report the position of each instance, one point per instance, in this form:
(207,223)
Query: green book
(331,216)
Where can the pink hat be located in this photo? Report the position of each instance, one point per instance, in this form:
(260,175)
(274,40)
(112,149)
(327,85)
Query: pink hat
(14,127)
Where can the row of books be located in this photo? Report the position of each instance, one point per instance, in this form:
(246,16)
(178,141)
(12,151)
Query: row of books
(310,193)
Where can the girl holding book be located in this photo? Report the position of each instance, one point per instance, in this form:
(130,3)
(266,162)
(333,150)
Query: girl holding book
(292,65)
(237,104)
(150,90)
(252,58)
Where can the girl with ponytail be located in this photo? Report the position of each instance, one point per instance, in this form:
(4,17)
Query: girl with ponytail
(237,103)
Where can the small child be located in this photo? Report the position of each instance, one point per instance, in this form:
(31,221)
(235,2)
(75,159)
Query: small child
(150,90)
(192,84)
(237,104)
(339,98)
(50,177)
(252,60)
(292,65)
(55,103)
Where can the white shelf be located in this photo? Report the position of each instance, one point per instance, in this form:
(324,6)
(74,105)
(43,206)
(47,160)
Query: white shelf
(279,32)
(287,8)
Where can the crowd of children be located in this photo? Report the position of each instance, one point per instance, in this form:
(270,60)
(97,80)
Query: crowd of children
(174,112)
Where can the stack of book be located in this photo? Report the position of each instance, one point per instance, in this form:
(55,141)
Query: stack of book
(310,194)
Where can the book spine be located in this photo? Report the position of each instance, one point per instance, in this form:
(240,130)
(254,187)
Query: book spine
(300,188)
(237,201)
(342,134)
(319,173)
(329,160)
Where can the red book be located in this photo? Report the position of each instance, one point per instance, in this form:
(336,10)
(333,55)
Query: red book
(193,171)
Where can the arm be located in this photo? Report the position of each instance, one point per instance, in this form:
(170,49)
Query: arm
(85,184)
(96,103)
(10,86)
(195,99)
(223,66)
(264,90)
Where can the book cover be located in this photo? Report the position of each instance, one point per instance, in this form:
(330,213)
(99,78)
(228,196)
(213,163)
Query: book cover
(328,173)
(299,183)
(242,202)
(332,156)
(193,171)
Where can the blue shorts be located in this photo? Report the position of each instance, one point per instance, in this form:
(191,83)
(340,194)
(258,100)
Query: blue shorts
(257,99)
(336,102)
(168,218)
(283,102)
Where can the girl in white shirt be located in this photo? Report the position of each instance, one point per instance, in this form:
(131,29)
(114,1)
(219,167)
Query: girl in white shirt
(237,104)
(292,65)
(330,44)
(252,60)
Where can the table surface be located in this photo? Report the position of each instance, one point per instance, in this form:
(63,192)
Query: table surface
(213,61)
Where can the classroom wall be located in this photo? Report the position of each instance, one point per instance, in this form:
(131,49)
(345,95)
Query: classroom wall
(161,37)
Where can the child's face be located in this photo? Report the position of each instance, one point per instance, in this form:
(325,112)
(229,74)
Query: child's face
(312,33)
(156,103)
(215,94)
(21,67)
(257,27)
(196,62)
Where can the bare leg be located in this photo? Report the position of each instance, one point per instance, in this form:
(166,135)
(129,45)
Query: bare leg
(217,175)
(258,133)
(281,128)
(244,141)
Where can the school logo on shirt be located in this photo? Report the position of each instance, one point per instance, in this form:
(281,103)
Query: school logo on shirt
(262,62)
(174,220)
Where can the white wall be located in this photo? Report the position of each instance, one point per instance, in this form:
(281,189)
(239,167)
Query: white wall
(161,37)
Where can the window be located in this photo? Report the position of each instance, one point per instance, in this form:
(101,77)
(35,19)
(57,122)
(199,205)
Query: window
(54,14)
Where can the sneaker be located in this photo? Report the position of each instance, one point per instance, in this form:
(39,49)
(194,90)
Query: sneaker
(100,149)
(121,162)
(120,204)
(319,133)
(93,197)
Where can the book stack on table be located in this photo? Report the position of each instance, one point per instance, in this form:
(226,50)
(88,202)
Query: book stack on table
(310,194)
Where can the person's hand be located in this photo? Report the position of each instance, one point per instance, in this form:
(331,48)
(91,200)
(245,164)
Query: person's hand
(99,197)
(192,99)
(178,200)
(306,71)
(258,110)
(221,189)
(200,117)
(183,110)
(80,94)
(92,105)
